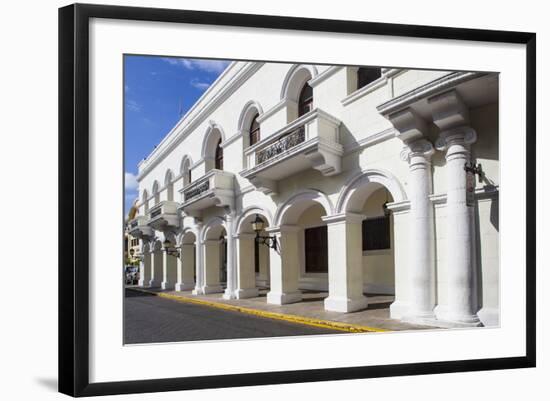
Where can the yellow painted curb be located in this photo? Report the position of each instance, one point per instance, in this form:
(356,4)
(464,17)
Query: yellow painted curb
(350,328)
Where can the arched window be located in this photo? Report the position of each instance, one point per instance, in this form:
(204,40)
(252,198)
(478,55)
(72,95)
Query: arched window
(254,135)
(145,201)
(218,163)
(169,185)
(156,193)
(185,171)
(305,102)
(366,75)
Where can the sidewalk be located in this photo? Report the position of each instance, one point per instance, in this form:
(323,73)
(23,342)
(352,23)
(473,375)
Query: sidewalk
(376,318)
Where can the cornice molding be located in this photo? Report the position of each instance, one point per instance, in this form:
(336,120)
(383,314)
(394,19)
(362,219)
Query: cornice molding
(313,82)
(365,90)
(432,88)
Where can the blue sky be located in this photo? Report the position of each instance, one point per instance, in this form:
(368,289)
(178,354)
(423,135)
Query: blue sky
(157,91)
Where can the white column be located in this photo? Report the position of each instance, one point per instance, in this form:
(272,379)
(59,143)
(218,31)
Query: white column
(144,268)
(246,276)
(461,267)
(284,266)
(212,264)
(231,263)
(169,271)
(345,263)
(156,268)
(199,266)
(451,115)
(186,268)
(421,276)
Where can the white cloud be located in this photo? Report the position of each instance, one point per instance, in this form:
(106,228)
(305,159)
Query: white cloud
(132,105)
(126,88)
(199,85)
(130,182)
(216,66)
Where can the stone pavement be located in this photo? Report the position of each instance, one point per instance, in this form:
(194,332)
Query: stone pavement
(376,316)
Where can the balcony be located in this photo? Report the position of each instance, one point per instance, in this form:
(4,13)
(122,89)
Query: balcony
(311,141)
(215,188)
(139,228)
(164,216)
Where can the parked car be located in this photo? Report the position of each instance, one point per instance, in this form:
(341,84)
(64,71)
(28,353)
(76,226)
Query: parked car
(131,274)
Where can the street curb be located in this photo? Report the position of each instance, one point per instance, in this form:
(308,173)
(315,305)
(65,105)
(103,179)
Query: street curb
(347,327)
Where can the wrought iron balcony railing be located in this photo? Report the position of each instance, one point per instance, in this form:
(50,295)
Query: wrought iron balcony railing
(284,143)
(196,190)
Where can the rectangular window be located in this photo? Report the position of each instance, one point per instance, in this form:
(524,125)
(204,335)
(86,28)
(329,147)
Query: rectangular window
(376,233)
(316,249)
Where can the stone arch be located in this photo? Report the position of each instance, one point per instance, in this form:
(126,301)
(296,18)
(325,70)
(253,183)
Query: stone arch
(156,245)
(210,229)
(357,188)
(295,78)
(250,109)
(169,185)
(155,191)
(168,177)
(185,169)
(211,136)
(292,208)
(145,247)
(186,234)
(252,210)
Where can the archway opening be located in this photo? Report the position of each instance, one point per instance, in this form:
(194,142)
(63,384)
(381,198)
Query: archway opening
(377,243)
(253,275)
(303,253)
(215,259)
(187,265)
(156,264)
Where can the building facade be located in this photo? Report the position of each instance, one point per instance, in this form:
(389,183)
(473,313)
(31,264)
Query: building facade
(368,178)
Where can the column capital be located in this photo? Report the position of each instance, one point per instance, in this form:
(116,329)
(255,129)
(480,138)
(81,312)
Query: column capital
(419,148)
(448,110)
(409,125)
(346,217)
(462,136)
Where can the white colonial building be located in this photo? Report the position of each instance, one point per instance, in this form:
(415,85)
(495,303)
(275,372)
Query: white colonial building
(365,177)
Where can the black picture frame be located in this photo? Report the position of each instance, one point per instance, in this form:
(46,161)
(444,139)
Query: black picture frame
(74,203)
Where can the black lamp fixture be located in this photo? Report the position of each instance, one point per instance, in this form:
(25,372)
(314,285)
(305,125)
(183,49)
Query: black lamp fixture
(473,169)
(169,249)
(258,225)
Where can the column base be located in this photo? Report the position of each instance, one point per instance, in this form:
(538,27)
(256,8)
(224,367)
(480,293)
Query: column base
(197,291)
(212,289)
(184,286)
(398,309)
(246,293)
(448,319)
(167,285)
(346,305)
(283,298)
(490,317)
(462,321)
(143,283)
(153,283)
(228,294)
